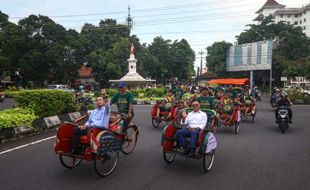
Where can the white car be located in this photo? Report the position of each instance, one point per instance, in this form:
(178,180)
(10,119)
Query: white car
(60,87)
(305,92)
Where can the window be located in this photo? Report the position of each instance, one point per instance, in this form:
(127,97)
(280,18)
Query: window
(296,22)
(300,22)
(288,22)
(304,27)
(304,19)
(288,16)
(281,15)
(296,15)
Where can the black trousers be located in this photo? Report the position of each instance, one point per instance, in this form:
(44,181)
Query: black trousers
(77,133)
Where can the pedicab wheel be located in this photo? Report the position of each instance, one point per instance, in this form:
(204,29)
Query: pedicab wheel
(69,161)
(155,122)
(253,116)
(236,128)
(208,160)
(168,157)
(130,141)
(105,165)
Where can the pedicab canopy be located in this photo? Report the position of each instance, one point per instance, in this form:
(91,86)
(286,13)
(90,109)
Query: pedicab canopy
(228,81)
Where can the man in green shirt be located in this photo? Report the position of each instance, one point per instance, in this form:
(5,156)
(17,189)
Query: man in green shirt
(124,101)
(206,101)
(178,92)
(232,92)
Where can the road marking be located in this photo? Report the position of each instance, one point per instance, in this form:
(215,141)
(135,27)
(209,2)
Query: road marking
(25,145)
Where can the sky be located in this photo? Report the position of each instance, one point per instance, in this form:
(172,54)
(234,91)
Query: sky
(200,22)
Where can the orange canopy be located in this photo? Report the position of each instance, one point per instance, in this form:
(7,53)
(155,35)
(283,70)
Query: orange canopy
(241,81)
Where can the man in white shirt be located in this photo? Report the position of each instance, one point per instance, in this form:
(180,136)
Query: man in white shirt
(196,121)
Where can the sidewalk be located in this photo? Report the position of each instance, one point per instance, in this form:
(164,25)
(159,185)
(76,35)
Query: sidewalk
(41,124)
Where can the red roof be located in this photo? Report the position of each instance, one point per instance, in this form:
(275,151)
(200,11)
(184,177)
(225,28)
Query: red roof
(241,81)
(271,3)
(85,72)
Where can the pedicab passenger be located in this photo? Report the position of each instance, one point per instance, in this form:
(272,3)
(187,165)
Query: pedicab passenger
(98,118)
(248,101)
(166,105)
(196,121)
(226,109)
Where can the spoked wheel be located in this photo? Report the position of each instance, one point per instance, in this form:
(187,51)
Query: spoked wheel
(155,122)
(105,165)
(208,160)
(236,128)
(130,141)
(69,161)
(168,157)
(253,117)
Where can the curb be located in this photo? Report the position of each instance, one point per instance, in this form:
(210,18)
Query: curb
(41,124)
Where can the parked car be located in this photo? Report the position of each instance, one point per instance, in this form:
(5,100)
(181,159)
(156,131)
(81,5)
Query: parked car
(61,87)
(305,92)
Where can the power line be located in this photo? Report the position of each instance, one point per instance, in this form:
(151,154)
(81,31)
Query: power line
(182,6)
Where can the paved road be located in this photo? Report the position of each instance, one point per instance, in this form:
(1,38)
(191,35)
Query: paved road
(259,157)
(7,103)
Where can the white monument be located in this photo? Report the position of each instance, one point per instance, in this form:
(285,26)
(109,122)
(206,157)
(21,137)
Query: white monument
(132,78)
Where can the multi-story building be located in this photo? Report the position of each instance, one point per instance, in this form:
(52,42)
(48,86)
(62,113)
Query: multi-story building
(295,16)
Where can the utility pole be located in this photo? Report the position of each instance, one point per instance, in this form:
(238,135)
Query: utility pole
(201,53)
(129,20)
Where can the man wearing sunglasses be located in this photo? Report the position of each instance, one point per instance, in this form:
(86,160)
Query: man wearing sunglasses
(124,101)
(195,121)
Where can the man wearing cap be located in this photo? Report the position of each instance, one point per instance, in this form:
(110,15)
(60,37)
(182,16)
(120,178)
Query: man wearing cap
(124,101)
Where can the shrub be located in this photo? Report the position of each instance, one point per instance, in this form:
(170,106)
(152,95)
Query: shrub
(111,91)
(155,92)
(16,117)
(46,102)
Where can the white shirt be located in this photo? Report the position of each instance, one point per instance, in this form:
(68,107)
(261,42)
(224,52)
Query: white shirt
(197,119)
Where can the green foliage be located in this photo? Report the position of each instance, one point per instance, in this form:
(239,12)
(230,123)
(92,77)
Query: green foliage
(291,47)
(16,117)
(216,58)
(155,92)
(111,91)
(46,102)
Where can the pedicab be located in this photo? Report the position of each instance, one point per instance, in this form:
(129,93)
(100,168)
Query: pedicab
(205,148)
(229,116)
(248,109)
(102,146)
(165,115)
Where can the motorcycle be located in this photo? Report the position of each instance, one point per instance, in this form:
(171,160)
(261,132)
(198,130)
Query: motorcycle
(1,94)
(85,102)
(283,118)
(258,95)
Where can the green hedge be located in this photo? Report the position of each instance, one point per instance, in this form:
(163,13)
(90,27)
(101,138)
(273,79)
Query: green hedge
(16,117)
(46,102)
(142,93)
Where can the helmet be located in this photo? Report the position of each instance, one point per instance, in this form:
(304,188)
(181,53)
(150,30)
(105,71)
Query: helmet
(81,87)
(284,94)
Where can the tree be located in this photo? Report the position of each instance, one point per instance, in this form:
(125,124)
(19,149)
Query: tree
(216,58)
(291,46)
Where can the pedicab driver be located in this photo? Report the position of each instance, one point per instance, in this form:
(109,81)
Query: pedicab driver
(98,118)
(196,121)
(124,101)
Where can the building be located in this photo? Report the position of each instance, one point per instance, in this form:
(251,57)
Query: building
(294,16)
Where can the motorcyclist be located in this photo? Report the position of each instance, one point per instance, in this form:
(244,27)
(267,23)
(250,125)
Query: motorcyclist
(81,93)
(284,101)
(276,96)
